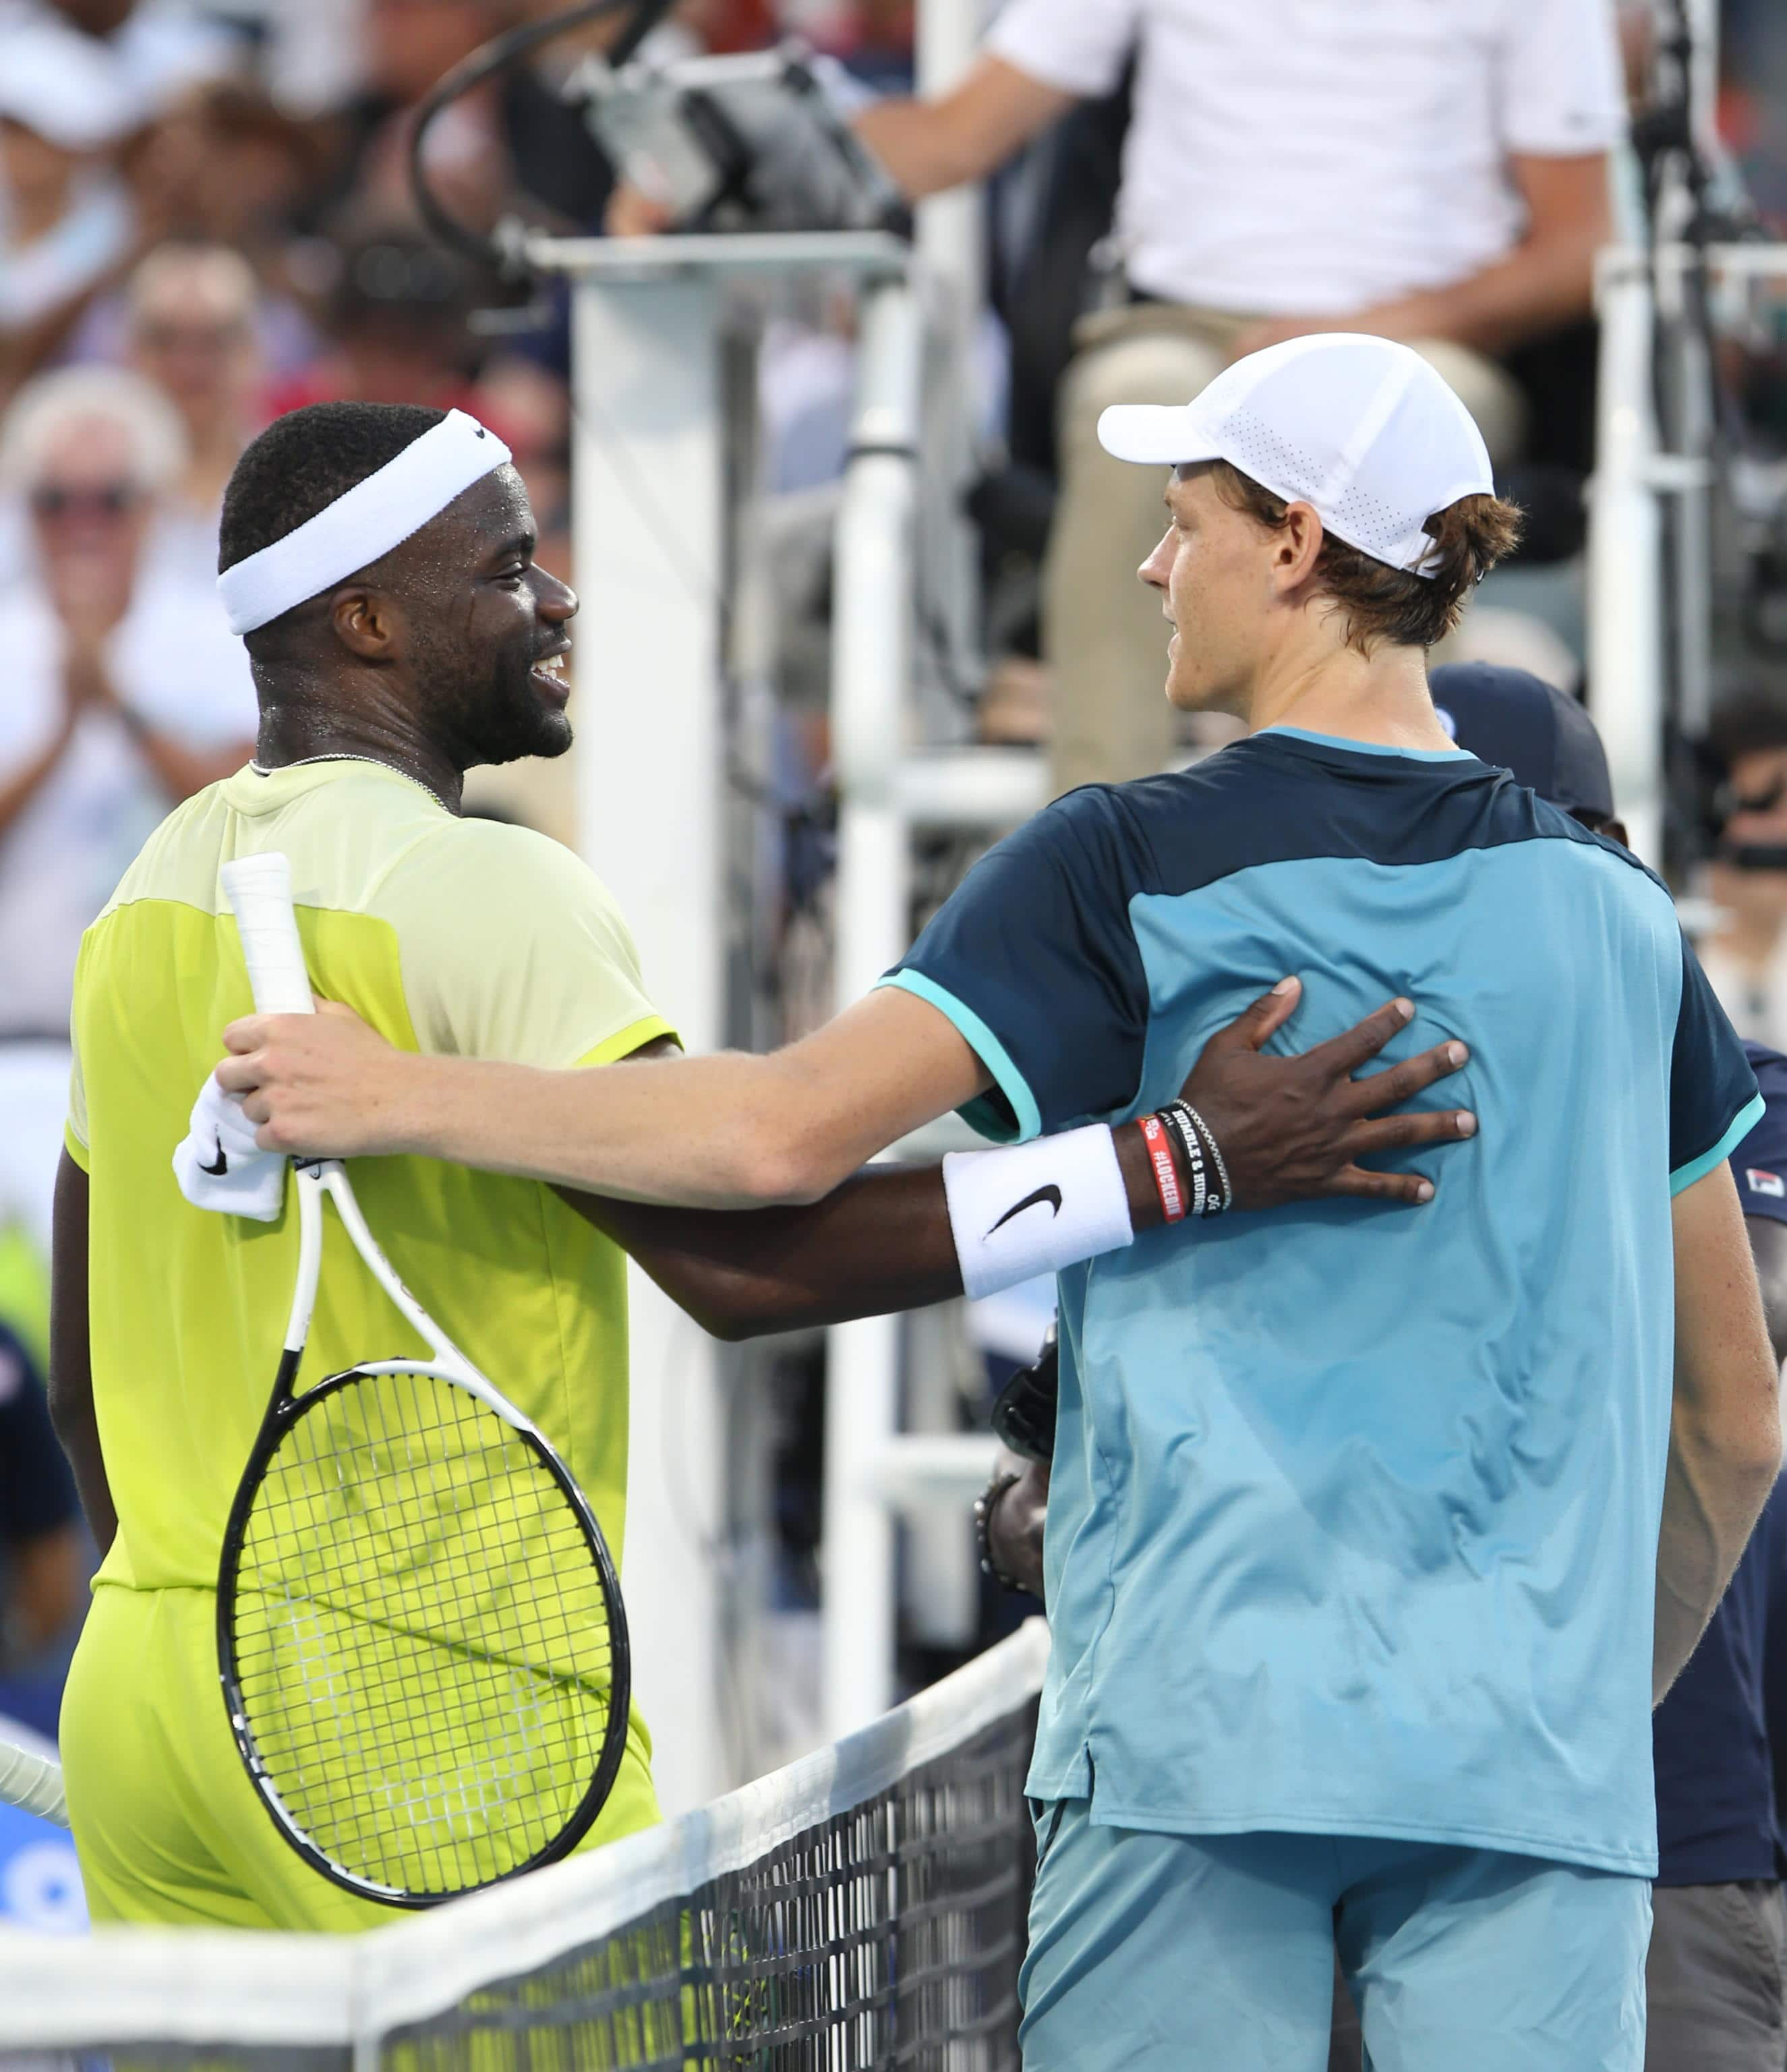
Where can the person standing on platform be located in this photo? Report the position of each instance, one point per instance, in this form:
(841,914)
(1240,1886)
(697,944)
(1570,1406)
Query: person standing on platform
(1410,169)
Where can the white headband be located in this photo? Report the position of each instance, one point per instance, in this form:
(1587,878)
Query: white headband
(368,520)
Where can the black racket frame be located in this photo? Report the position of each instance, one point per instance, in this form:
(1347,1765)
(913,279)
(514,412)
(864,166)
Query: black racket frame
(283,1411)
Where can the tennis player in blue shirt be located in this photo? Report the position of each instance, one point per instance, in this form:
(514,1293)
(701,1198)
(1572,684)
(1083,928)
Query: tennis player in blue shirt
(1354,1521)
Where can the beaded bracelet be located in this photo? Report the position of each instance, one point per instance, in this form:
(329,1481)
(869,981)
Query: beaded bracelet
(985,1506)
(1216,1154)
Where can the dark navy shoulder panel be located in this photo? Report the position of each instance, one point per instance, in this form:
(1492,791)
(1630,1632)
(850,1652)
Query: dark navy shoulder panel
(1759,1165)
(1033,959)
(1710,1082)
(1770,1068)
(1282,799)
(1034,956)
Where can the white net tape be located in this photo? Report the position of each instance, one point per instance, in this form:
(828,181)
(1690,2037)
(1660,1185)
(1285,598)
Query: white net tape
(911,1831)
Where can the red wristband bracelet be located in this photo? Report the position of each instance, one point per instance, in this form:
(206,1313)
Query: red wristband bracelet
(1166,1173)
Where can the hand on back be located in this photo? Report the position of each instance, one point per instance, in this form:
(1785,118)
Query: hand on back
(1295,1128)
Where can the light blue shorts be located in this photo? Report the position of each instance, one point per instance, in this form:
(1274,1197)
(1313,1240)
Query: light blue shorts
(1215,1953)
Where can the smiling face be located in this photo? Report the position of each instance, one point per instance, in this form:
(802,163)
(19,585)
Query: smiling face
(1215,570)
(487,629)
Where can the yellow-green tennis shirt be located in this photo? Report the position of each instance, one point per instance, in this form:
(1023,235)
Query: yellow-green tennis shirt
(457,937)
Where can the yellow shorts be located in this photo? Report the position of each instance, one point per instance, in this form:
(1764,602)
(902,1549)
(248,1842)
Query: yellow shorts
(168,1829)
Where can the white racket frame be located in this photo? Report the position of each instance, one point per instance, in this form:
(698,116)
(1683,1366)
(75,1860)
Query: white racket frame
(259,889)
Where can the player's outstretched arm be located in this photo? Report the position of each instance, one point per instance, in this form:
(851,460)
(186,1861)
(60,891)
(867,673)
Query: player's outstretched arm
(1289,1128)
(732,1131)
(1724,1444)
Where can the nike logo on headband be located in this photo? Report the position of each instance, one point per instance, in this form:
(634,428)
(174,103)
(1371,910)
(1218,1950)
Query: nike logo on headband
(1051,1195)
(222,1166)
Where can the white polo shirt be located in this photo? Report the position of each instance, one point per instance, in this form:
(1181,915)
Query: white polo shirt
(1313,157)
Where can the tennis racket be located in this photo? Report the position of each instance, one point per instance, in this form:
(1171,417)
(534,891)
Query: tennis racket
(33,1783)
(422,1645)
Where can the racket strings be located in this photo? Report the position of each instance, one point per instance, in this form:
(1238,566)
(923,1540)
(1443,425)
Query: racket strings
(422,1637)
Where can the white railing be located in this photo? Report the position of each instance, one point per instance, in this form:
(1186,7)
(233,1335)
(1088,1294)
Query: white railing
(886,787)
(1628,665)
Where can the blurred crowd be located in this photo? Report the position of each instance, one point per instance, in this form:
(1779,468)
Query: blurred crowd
(206,219)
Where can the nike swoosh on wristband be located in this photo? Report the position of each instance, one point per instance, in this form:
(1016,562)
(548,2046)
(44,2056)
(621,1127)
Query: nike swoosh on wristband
(1051,1195)
(222,1166)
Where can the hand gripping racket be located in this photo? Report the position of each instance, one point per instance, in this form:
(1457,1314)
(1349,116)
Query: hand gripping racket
(422,1645)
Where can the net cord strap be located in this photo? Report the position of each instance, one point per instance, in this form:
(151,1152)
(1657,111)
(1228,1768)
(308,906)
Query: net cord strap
(121,1986)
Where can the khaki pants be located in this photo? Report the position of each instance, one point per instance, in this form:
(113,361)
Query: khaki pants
(1714,1979)
(1104,636)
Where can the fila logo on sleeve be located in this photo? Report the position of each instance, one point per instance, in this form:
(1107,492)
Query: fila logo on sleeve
(1764,1183)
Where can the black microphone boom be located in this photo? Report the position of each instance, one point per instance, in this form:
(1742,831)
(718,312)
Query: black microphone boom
(502,251)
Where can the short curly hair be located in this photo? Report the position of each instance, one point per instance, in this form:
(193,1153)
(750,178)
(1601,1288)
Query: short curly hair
(298,466)
(303,461)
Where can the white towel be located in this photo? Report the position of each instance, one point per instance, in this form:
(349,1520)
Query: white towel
(220,1167)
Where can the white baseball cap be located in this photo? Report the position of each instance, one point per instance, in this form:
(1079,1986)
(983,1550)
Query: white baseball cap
(66,88)
(1360,428)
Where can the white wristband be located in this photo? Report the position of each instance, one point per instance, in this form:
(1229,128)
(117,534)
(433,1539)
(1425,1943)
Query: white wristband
(1034,1208)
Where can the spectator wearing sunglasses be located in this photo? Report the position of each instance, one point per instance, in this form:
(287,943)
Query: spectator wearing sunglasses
(124,692)
(1746,957)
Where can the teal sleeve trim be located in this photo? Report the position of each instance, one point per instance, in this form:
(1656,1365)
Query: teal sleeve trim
(980,1114)
(1747,1118)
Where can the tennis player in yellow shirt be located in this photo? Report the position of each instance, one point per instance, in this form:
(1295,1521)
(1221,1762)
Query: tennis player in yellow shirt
(379,562)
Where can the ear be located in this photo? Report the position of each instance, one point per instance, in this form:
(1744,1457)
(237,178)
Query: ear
(1296,547)
(368,623)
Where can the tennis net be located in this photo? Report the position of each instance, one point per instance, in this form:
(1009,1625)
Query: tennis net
(863,1908)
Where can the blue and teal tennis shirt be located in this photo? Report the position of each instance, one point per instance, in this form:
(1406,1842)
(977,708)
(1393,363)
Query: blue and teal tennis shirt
(1353,1526)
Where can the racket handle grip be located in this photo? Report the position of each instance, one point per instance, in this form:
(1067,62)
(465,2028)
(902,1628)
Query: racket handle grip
(260,890)
(32,1782)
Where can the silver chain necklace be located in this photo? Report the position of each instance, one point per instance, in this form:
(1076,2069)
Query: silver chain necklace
(377,761)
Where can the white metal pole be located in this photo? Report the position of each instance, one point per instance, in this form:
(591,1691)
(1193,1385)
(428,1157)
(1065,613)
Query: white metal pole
(949,225)
(1703,85)
(952,247)
(648,525)
(871,676)
(1624,555)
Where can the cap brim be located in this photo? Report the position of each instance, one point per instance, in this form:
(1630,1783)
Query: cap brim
(1155,434)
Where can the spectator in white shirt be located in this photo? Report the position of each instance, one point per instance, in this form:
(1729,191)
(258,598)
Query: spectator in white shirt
(1432,170)
(155,48)
(124,692)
